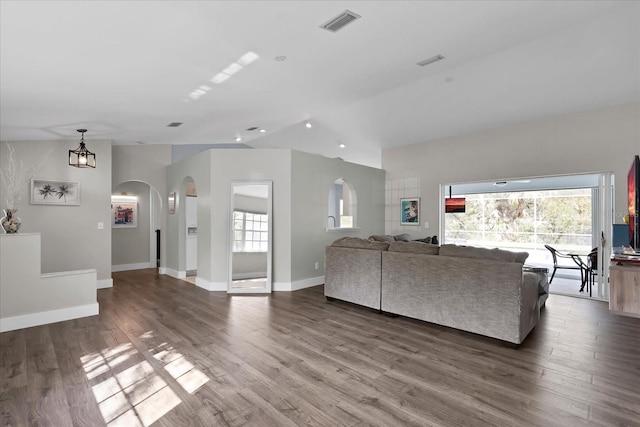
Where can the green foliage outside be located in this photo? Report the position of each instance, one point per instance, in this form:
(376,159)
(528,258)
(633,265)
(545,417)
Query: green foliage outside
(560,218)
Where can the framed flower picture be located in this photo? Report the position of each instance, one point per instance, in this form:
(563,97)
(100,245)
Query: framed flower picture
(410,211)
(51,192)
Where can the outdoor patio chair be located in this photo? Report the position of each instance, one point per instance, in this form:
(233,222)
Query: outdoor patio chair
(556,254)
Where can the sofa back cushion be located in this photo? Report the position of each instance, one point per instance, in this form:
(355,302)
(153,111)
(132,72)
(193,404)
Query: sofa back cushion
(473,252)
(357,242)
(414,247)
(404,237)
(380,238)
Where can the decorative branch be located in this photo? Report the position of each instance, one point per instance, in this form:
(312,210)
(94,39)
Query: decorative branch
(14,176)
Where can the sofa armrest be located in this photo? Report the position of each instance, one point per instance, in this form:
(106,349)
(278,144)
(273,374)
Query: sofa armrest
(353,275)
(529,302)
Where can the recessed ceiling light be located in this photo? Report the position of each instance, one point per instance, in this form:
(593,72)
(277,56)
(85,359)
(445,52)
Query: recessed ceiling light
(308,125)
(238,139)
(263,130)
(341,145)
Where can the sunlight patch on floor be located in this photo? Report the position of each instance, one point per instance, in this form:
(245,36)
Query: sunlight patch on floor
(137,395)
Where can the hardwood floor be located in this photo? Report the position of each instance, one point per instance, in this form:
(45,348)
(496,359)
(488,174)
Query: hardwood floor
(166,353)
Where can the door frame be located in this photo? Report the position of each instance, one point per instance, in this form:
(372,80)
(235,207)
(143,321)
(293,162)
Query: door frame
(269,282)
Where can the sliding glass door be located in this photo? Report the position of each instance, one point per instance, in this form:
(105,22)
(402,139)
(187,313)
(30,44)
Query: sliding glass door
(572,214)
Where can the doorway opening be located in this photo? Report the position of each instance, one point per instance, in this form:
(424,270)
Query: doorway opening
(564,213)
(136,210)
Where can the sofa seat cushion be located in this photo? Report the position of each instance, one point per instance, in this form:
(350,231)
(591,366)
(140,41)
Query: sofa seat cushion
(474,252)
(414,247)
(357,242)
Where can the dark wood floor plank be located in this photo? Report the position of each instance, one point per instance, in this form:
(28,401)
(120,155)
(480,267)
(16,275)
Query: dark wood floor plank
(13,360)
(167,353)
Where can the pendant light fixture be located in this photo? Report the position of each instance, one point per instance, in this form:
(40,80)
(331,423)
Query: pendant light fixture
(81,157)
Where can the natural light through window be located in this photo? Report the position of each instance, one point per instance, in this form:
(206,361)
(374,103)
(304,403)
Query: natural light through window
(342,205)
(525,221)
(128,387)
(250,232)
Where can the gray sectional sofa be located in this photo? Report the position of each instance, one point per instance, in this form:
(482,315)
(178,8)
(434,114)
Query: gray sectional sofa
(483,291)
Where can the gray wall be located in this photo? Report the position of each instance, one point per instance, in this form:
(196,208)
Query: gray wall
(146,163)
(311,179)
(198,169)
(132,245)
(603,140)
(70,236)
(212,172)
(270,164)
(301,184)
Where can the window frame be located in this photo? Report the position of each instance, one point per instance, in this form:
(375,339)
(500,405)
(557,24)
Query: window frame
(263,243)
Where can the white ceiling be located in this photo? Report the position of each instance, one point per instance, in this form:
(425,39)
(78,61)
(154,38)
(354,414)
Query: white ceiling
(124,70)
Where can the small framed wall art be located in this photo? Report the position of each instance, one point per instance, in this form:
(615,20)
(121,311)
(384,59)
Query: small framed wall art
(50,192)
(410,211)
(124,214)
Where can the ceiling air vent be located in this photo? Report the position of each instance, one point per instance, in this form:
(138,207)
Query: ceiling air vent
(174,124)
(252,128)
(340,21)
(431,60)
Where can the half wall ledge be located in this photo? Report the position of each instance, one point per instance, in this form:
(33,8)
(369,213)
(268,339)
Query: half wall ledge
(29,298)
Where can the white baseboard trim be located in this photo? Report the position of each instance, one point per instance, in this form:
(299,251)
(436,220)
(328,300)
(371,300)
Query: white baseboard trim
(242,276)
(127,267)
(46,317)
(104,283)
(211,286)
(307,283)
(173,273)
(298,284)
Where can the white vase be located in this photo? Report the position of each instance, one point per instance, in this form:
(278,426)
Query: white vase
(10,221)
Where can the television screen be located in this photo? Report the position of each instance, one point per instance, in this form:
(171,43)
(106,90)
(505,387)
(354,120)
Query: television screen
(633,194)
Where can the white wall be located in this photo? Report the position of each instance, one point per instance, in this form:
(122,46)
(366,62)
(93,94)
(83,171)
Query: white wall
(71,239)
(311,179)
(132,245)
(602,140)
